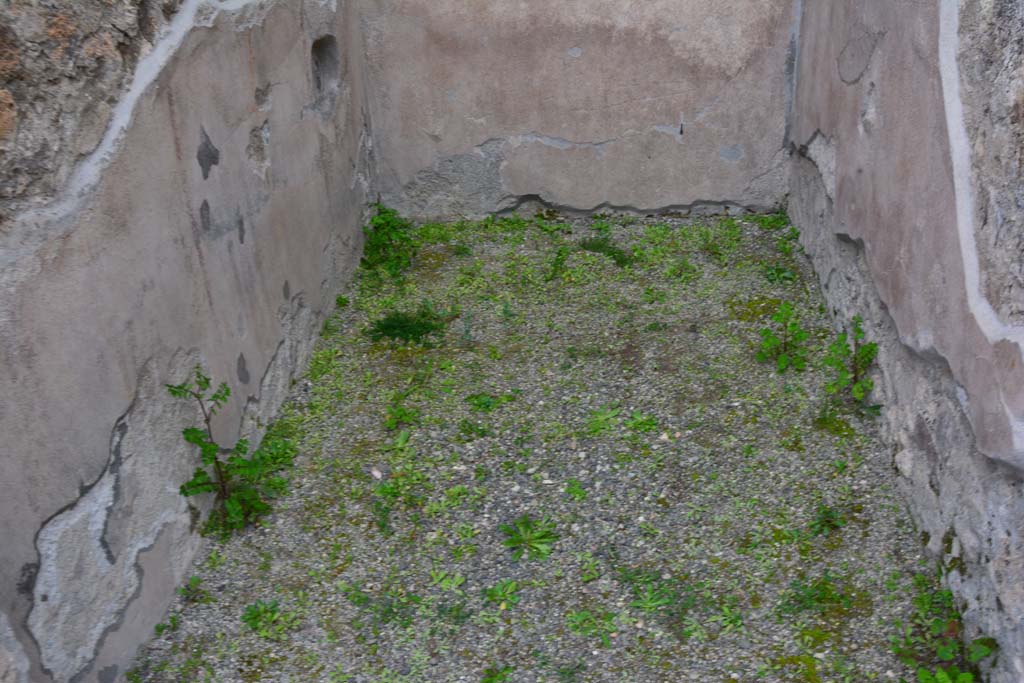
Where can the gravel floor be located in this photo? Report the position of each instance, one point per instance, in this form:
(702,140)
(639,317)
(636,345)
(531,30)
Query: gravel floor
(709,526)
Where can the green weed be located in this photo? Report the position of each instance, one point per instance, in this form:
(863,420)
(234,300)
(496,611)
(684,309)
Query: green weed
(242,486)
(268,620)
(600,624)
(504,594)
(784,344)
(526,536)
(603,419)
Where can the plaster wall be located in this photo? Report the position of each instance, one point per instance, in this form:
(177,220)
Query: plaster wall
(884,187)
(582,105)
(210,223)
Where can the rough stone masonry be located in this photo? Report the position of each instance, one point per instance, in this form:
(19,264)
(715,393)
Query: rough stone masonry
(183,181)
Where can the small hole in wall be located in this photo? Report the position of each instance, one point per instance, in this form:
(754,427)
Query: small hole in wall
(326,67)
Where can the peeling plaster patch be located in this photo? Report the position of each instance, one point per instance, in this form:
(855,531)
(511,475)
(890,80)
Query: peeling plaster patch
(88,573)
(822,151)
(985,315)
(14,664)
(869,114)
(855,58)
(732,153)
(462,184)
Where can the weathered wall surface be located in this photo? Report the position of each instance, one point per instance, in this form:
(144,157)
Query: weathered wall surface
(583,104)
(219,206)
(883,187)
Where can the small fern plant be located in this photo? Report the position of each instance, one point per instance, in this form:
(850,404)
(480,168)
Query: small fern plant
(242,485)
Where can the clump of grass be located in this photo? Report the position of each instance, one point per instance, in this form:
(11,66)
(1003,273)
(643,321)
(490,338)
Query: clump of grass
(416,327)
(390,245)
(603,244)
(826,520)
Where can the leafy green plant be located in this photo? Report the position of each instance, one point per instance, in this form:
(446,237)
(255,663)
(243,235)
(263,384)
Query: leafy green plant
(397,415)
(449,581)
(411,327)
(586,623)
(602,226)
(933,636)
(777,274)
(486,403)
(390,245)
(652,597)
(729,619)
(603,419)
(590,568)
(643,424)
(574,489)
(268,620)
(771,221)
(941,675)
(171,625)
(851,365)
(504,594)
(496,674)
(526,536)
(242,485)
(606,247)
(788,242)
(784,345)
(558,264)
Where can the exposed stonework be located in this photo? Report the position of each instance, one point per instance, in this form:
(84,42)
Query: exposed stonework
(991,58)
(62,68)
(878,190)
